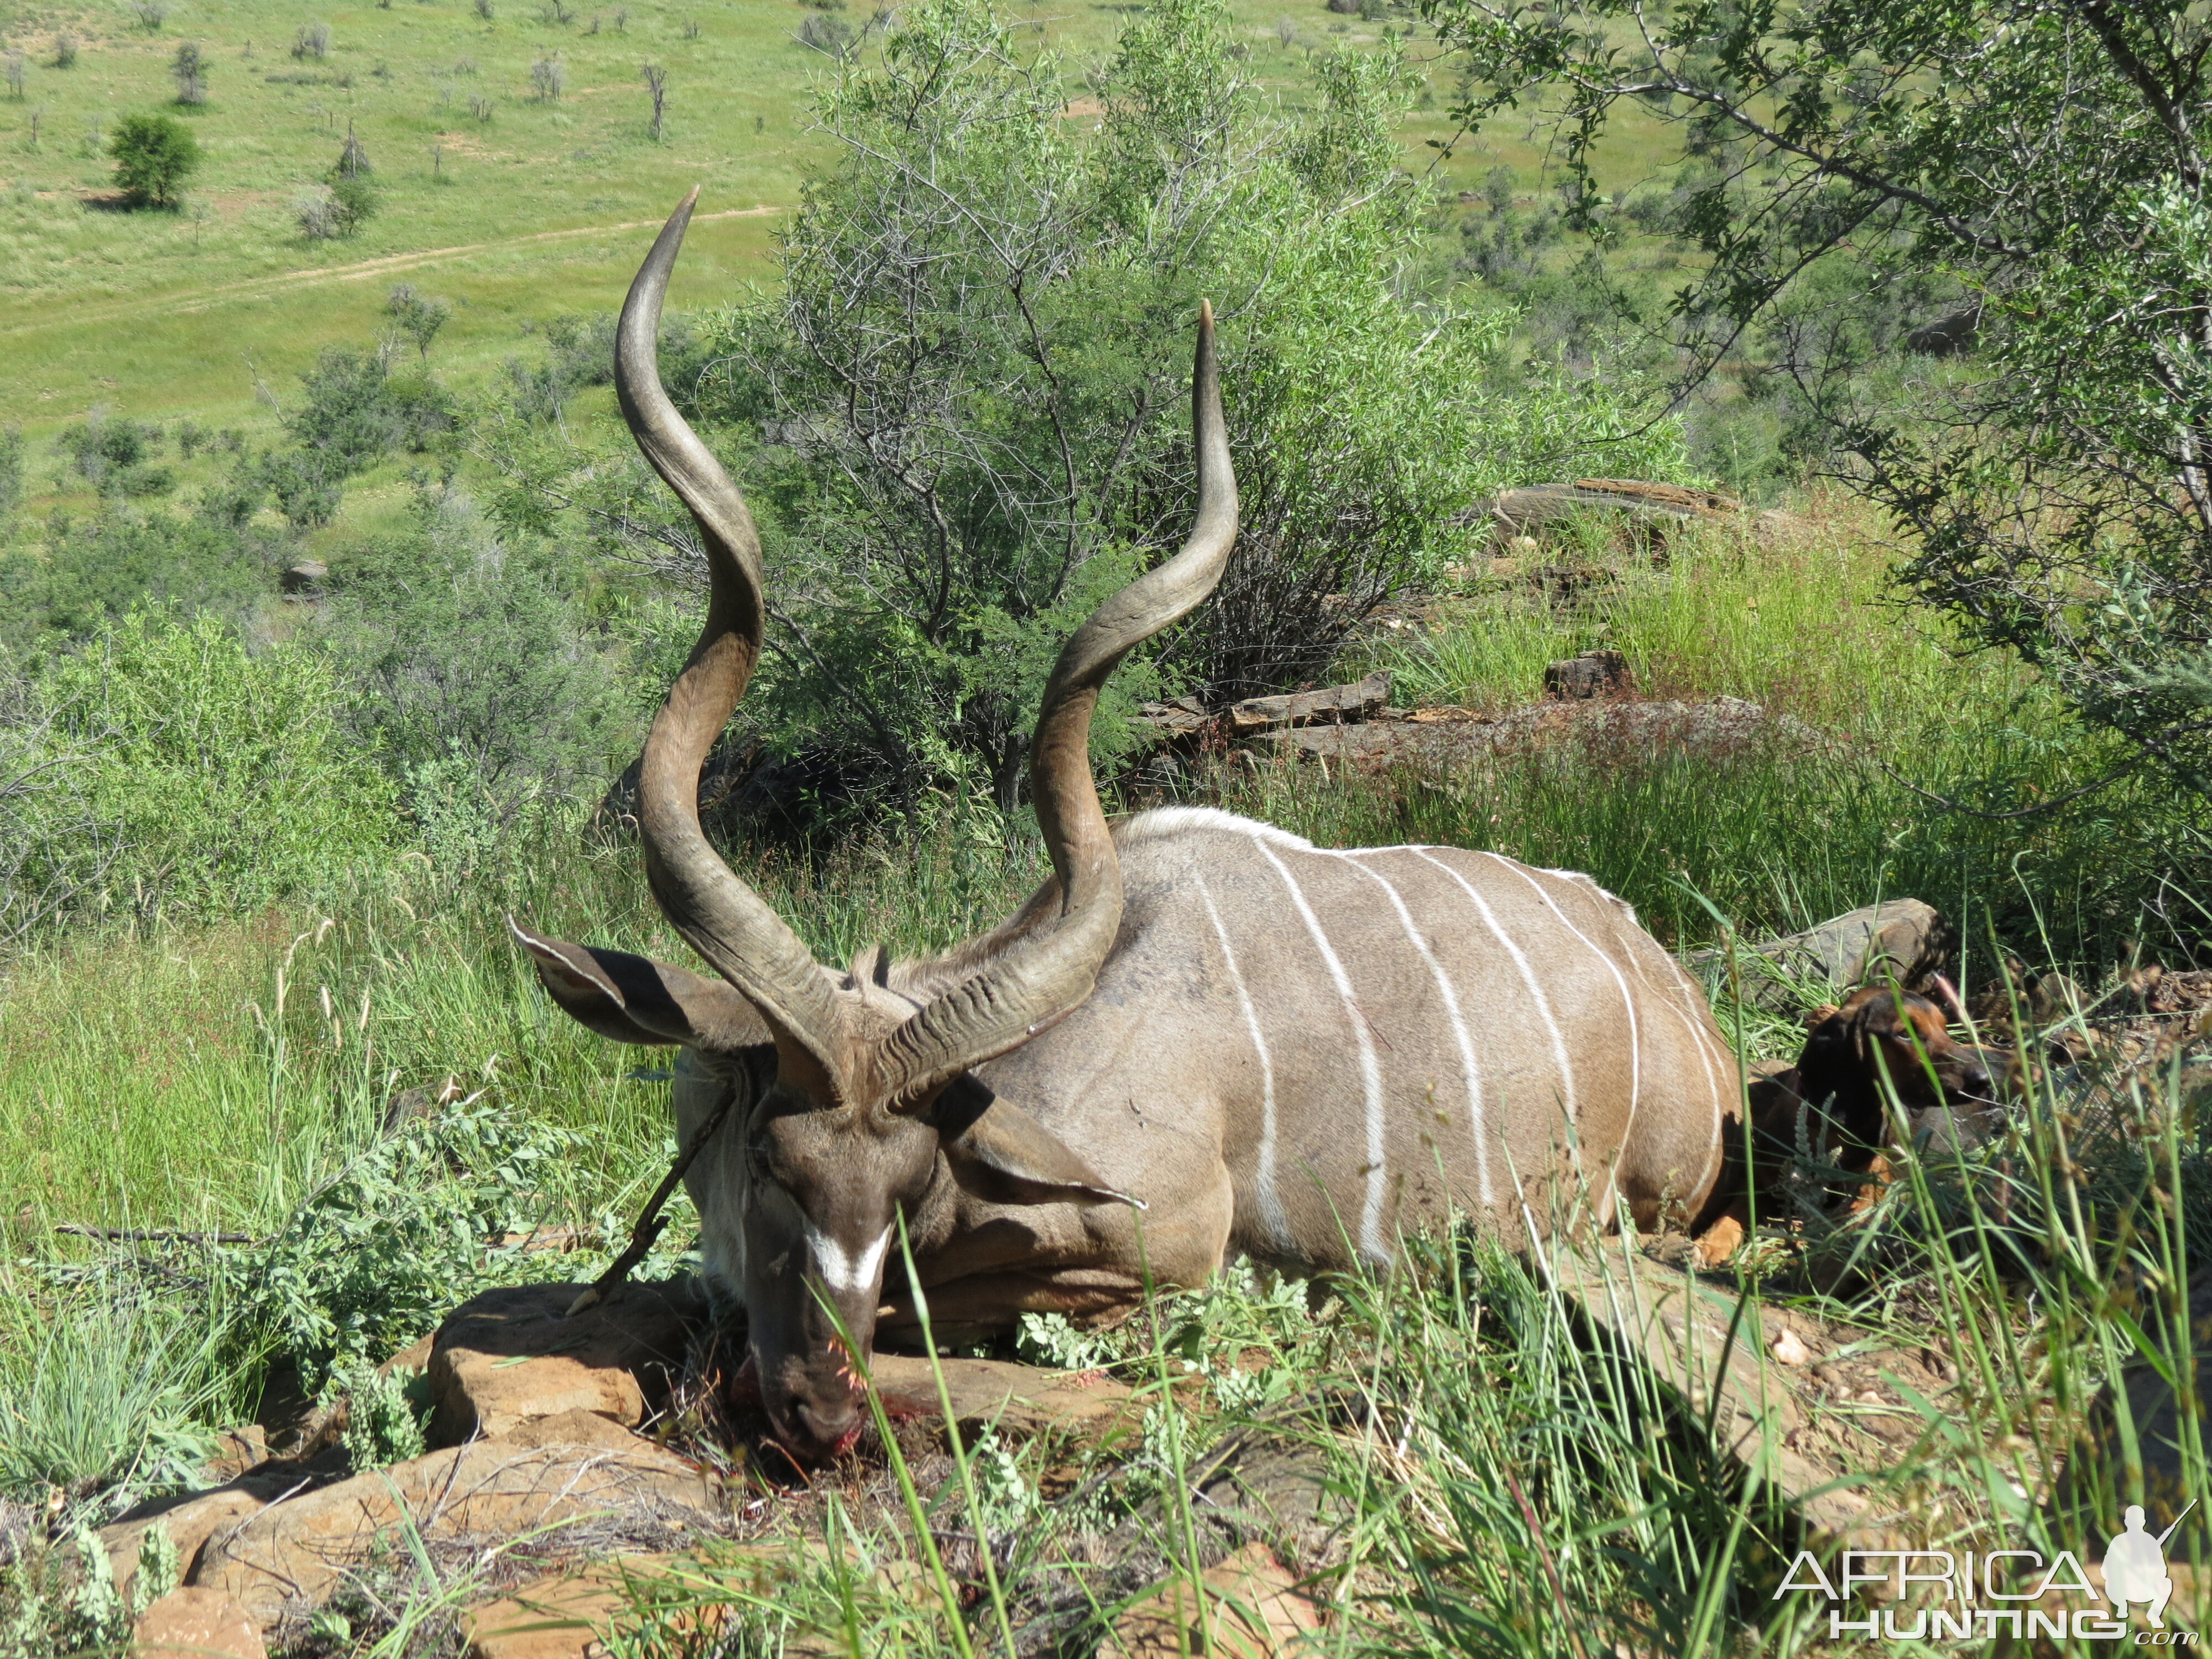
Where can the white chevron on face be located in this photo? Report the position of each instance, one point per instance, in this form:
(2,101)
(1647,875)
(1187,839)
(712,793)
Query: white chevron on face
(841,1271)
(1370,1069)
(1469,1072)
(1272,1215)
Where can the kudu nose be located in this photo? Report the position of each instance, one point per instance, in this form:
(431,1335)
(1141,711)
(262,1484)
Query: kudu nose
(828,1430)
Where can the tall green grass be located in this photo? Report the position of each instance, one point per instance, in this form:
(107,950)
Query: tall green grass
(1818,814)
(199,1078)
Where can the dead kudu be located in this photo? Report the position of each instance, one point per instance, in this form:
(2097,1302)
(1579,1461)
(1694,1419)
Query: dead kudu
(1200,1026)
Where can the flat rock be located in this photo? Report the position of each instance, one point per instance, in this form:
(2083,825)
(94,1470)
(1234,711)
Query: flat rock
(193,1518)
(1020,1400)
(560,1616)
(574,1428)
(1686,1332)
(296,1552)
(569,1615)
(189,1525)
(1900,937)
(508,1356)
(1249,1607)
(1331,705)
(197,1624)
(237,1451)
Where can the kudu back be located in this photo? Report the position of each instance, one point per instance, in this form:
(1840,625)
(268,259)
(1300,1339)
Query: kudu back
(1200,1025)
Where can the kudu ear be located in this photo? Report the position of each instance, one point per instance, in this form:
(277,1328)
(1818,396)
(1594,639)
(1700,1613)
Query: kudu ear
(637,999)
(1002,1155)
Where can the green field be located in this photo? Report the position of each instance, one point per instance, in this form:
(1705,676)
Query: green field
(542,209)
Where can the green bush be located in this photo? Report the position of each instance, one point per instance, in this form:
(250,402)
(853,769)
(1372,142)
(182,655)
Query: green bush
(353,410)
(154,155)
(965,419)
(471,672)
(383,1250)
(353,200)
(87,572)
(223,770)
(383,1427)
(107,450)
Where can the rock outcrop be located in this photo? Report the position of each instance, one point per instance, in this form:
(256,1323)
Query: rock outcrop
(295,1553)
(509,1356)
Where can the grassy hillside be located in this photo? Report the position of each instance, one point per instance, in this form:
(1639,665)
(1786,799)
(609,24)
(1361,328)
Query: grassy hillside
(513,206)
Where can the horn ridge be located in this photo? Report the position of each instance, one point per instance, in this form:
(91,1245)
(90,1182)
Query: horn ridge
(717,914)
(1047,970)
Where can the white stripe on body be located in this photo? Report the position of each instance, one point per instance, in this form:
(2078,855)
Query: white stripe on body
(1674,999)
(842,1272)
(1370,1071)
(1469,1072)
(1270,1203)
(1568,1101)
(1634,1056)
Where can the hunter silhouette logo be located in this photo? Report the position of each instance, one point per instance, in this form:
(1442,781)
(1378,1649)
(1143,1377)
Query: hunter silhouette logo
(1977,1595)
(2134,1567)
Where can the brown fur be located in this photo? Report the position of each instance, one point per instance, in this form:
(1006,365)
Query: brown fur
(1876,1044)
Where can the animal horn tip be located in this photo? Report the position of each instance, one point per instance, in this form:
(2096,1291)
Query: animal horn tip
(1205,314)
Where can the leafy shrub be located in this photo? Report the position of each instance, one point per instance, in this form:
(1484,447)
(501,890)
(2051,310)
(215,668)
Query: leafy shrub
(306,489)
(188,71)
(973,390)
(380,1252)
(417,316)
(104,445)
(91,570)
(224,770)
(353,202)
(154,155)
(354,409)
(471,673)
(383,1427)
(49,1606)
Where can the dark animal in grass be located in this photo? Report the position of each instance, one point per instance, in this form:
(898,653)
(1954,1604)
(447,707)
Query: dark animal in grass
(1877,1046)
(1201,1037)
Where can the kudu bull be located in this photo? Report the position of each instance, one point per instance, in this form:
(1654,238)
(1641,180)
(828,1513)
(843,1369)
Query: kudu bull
(1263,1046)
